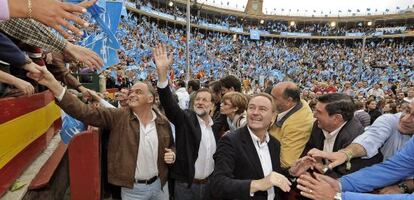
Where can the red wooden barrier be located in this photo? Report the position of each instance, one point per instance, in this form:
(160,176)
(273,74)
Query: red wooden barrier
(84,166)
(45,174)
(10,111)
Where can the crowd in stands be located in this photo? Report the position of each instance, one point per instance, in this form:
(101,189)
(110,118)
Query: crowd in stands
(306,62)
(322,29)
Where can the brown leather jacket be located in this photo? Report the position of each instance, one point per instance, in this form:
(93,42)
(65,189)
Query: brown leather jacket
(61,73)
(123,128)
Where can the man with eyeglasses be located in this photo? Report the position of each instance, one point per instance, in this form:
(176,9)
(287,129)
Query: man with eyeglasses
(388,135)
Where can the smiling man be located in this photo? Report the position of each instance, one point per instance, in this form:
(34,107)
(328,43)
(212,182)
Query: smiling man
(387,135)
(195,139)
(139,138)
(335,128)
(247,164)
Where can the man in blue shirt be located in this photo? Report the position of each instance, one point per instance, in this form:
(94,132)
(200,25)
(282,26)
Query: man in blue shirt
(388,135)
(353,186)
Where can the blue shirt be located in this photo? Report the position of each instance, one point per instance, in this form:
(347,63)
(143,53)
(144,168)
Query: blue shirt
(384,134)
(395,169)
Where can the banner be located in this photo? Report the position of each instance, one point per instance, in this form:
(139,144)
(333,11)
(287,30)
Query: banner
(358,34)
(295,34)
(391,29)
(236,29)
(254,34)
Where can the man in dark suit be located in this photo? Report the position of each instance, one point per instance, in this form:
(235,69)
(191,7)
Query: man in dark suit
(247,164)
(335,128)
(195,139)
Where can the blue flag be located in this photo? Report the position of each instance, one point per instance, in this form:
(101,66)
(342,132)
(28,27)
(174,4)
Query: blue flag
(70,127)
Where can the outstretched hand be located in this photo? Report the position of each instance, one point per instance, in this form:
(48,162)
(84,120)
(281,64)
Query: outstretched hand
(25,87)
(319,187)
(43,76)
(84,55)
(336,158)
(57,15)
(163,60)
(302,165)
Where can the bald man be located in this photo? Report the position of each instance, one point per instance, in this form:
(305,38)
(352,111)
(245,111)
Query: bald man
(293,123)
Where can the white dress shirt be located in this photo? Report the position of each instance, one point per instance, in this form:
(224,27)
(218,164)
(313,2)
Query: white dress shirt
(330,138)
(282,114)
(147,151)
(204,164)
(147,157)
(265,161)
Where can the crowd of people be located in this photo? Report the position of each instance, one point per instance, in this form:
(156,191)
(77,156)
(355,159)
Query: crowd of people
(266,119)
(309,63)
(227,21)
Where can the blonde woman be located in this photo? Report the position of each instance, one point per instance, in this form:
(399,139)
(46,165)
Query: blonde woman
(233,106)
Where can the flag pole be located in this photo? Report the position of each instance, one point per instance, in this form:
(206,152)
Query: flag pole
(187,49)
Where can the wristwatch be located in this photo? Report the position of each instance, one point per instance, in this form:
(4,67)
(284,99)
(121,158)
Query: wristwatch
(338,196)
(403,187)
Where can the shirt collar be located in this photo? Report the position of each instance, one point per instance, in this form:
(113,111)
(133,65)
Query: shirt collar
(282,114)
(333,133)
(154,116)
(181,89)
(210,121)
(257,139)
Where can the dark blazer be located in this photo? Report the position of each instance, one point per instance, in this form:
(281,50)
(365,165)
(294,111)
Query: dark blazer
(346,135)
(187,139)
(237,164)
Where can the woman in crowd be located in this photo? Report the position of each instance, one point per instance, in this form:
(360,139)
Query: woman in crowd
(232,109)
(371,106)
(390,108)
(234,105)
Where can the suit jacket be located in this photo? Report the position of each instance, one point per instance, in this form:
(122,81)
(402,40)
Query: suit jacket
(346,135)
(187,138)
(237,164)
(123,142)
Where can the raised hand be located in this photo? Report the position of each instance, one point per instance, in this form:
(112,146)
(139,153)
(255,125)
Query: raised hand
(84,55)
(162,60)
(169,156)
(302,165)
(319,188)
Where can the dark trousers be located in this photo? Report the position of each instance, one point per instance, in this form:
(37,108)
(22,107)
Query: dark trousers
(195,192)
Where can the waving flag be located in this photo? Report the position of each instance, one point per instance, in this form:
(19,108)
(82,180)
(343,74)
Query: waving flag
(107,15)
(70,127)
